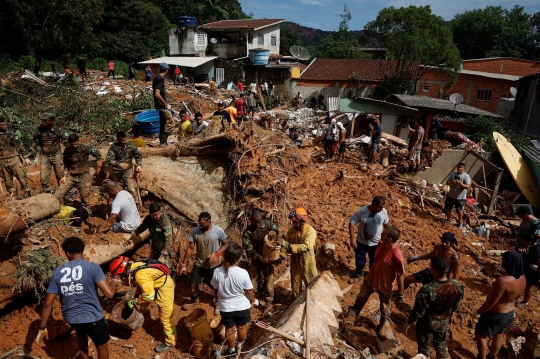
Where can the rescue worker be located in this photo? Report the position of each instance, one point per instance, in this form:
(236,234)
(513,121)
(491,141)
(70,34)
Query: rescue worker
(435,303)
(253,242)
(76,170)
(47,139)
(11,153)
(299,242)
(153,285)
(160,229)
(120,158)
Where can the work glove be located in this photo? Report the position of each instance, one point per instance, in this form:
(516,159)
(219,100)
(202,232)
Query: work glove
(42,333)
(286,245)
(27,162)
(168,107)
(412,259)
(214,257)
(255,303)
(132,303)
(36,161)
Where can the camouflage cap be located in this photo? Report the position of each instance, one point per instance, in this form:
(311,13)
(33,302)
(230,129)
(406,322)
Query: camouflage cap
(47,115)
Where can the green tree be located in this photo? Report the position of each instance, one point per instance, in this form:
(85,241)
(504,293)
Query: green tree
(287,39)
(126,39)
(415,34)
(343,44)
(495,32)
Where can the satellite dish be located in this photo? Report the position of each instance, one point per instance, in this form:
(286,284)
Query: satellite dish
(213,40)
(513,91)
(300,52)
(456,98)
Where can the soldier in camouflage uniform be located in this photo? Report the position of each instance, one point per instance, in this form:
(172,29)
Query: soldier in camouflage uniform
(120,158)
(253,242)
(10,160)
(160,229)
(47,139)
(435,303)
(76,172)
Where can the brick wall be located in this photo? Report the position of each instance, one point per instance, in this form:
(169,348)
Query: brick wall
(467,86)
(504,66)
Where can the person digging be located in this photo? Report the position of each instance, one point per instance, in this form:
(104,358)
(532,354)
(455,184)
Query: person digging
(153,285)
(253,242)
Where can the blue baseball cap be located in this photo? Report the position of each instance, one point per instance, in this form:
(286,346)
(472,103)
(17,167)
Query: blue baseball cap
(163,66)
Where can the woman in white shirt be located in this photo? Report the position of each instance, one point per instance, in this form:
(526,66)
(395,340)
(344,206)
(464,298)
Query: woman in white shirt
(234,292)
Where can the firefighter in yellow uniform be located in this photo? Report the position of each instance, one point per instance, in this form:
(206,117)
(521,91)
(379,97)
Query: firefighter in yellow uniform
(299,242)
(152,285)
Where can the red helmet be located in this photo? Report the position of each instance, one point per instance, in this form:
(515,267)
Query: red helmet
(119,265)
(299,214)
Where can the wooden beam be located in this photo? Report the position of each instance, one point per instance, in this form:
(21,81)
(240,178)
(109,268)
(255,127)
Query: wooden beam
(485,161)
(493,198)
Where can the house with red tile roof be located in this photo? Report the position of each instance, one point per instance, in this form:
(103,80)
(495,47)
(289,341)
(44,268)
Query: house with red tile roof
(347,77)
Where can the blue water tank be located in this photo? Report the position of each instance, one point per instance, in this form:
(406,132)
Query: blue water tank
(148,122)
(259,56)
(186,21)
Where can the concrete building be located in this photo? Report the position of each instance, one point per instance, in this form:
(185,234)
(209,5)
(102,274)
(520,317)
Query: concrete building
(526,112)
(230,39)
(201,68)
(345,77)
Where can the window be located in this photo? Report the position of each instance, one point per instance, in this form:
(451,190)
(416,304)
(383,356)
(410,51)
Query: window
(201,38)
(483,95)
(273,40)
(260,39)
(425,89)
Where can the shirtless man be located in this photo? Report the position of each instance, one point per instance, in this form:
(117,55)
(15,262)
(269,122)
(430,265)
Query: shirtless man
(497,312)
(444,250)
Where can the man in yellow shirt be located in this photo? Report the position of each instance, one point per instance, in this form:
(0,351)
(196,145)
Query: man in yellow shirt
(299,242)
(75,216)
(153,285)
(136,140)
(185,128)
(232,113)
(213,87)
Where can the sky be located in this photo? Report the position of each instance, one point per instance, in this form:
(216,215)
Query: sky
(324,14)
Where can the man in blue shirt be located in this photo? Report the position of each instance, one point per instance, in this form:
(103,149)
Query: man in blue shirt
(75,283)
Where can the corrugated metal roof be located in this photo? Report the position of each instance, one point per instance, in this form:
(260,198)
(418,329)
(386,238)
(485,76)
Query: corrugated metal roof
(343,69)
(241,24)
(446,118)
(532,152)
(435,103)
(491,75)
(181,61)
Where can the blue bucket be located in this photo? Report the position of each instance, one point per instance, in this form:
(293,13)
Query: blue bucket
(148,122)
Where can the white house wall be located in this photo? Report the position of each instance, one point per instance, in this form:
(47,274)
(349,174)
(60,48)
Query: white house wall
(267,32)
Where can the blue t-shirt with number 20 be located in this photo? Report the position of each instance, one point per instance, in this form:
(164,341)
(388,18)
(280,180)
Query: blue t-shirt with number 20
(75,283)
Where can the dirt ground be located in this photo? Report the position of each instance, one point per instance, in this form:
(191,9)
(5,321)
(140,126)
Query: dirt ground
(330,200)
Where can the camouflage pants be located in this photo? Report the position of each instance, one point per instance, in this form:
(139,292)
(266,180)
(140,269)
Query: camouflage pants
(257,268)
(168,260)
(47,162)
(126,181)
(82,182)
(428,331)
(365,292)
(13,167)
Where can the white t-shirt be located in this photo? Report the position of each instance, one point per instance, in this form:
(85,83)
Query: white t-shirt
(125,208)
(198,129)
(231,289)
(253,87)
(370,225)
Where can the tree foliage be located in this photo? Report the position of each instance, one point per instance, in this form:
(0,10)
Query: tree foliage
(415,34)
(481,128)
(287,39)
(342,44)
(497,32)
(398,83)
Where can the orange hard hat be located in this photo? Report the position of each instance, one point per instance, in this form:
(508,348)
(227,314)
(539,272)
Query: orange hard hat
(119,265)
(299,213)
